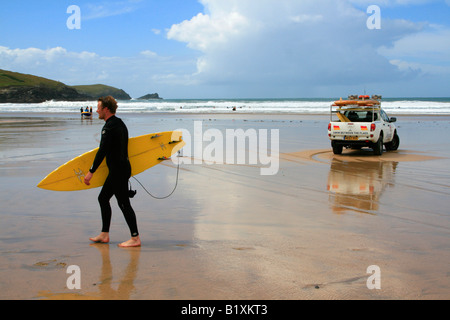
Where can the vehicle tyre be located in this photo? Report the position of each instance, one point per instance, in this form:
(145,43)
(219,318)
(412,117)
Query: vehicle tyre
(337,149)
(394,144)
(378,146)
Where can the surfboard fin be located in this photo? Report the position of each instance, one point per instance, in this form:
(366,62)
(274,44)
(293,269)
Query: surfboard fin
(156,136)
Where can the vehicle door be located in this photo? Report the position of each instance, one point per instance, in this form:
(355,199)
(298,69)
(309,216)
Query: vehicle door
(387,127)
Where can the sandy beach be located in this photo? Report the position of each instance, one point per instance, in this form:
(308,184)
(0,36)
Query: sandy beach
(310,231)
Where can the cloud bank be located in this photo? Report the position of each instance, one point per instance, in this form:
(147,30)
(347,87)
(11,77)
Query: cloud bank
(303,44)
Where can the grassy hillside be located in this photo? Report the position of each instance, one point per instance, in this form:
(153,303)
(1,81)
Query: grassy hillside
(15,79)
(26,88)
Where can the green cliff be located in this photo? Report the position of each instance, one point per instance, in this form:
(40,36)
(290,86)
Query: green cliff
(25,88)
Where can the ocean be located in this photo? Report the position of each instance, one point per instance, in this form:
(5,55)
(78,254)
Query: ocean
(407,106)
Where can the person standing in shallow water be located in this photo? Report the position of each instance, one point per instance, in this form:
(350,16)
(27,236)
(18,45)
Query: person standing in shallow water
(114,146)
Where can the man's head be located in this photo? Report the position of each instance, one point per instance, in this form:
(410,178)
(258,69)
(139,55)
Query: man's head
(106,107)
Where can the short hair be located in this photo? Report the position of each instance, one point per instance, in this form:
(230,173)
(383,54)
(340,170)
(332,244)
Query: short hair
(109,102)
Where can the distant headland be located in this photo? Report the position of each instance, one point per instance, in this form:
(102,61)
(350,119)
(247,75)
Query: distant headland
(24,88)
(150,96)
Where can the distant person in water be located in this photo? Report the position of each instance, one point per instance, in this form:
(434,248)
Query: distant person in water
(114,146)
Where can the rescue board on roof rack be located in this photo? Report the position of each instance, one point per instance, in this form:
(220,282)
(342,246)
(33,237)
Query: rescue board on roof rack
(144,152)
(362,101)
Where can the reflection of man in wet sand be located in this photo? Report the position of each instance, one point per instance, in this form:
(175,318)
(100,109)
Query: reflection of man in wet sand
(126,285)
(114,147)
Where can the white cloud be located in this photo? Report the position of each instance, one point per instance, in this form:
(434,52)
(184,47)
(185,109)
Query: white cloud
(421,68)
(203,32)
(149,54)
(431,45)
(108,9)
(426,52)
(281,45)
(34,57)
(287,43)
(392,3)
(138,75)
(156,31)
(304,18)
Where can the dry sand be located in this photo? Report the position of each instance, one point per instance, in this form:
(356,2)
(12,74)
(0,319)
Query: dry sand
(308,232)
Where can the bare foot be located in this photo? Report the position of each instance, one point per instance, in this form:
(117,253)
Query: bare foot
(133,242)
(101,238)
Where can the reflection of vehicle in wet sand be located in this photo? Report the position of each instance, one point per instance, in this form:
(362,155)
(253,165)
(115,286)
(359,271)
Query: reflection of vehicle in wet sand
(358,185)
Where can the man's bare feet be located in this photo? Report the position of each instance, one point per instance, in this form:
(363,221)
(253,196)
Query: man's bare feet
(101,238)
(133,242)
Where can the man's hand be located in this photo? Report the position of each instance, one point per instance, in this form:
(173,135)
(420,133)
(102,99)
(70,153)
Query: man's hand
(88,178)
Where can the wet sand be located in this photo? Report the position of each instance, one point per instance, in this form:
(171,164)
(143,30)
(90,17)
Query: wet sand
(309,232)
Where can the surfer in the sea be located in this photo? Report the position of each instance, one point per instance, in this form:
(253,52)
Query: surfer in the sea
(114,146)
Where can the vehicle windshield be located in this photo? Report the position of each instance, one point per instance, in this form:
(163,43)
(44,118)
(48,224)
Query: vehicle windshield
(361,115)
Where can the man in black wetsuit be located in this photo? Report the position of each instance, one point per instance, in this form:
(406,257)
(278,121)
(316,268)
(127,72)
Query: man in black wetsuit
(114,146)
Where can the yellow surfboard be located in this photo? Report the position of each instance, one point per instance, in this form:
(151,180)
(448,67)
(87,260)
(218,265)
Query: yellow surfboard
(144,152)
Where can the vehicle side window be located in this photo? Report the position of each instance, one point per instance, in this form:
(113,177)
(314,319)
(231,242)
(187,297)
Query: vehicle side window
(384,116)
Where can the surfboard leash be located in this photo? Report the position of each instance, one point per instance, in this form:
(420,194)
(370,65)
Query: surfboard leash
(162,198)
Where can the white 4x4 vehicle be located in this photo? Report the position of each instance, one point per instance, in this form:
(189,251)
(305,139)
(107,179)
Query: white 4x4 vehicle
(361,123)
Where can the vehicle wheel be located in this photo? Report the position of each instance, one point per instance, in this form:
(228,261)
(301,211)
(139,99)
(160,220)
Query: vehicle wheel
(337,149)
(394,144)
(378,146)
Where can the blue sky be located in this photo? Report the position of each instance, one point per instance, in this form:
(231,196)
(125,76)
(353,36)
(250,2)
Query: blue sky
(234,48)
